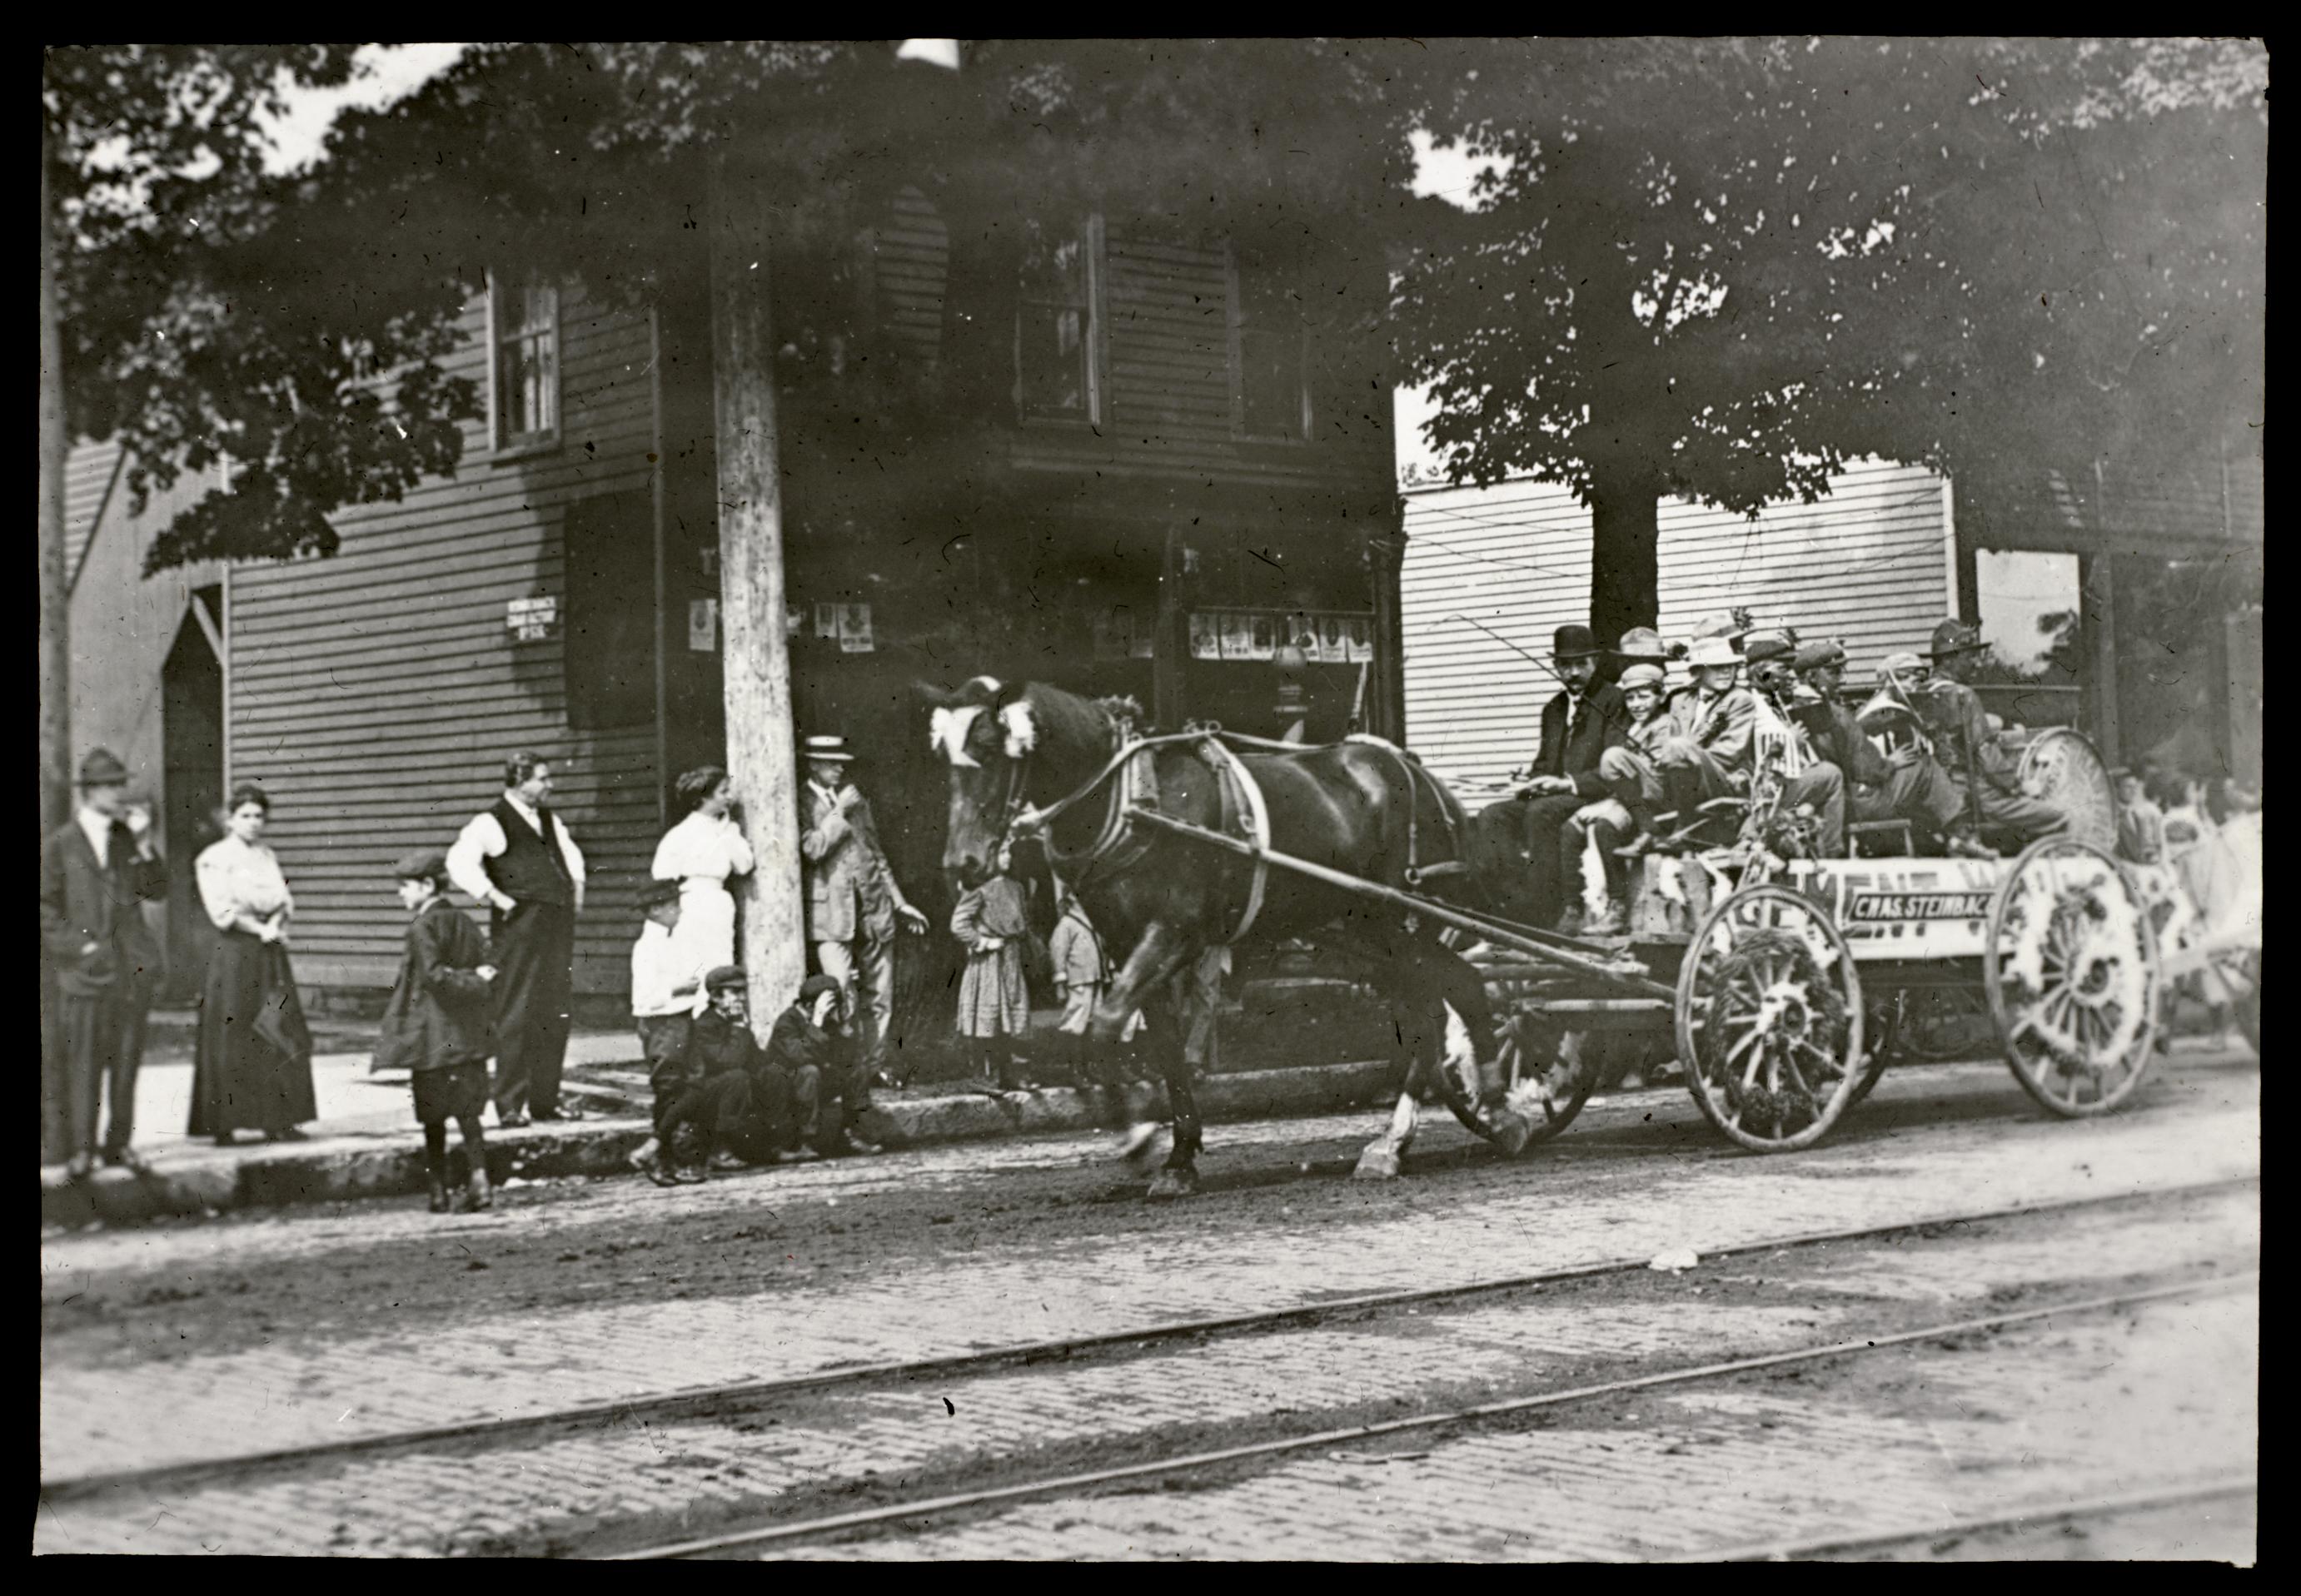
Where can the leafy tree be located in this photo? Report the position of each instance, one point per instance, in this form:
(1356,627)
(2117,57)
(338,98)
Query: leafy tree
(1724,268)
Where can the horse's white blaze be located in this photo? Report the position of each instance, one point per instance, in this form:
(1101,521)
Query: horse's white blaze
(946,733)
(1022,731)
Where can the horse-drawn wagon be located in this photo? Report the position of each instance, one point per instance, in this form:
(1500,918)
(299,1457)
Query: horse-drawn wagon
(1781,981)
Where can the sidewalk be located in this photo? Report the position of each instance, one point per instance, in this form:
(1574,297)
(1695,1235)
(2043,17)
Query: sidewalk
(365,1142)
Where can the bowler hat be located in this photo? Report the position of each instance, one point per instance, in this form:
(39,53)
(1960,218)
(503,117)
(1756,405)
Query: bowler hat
(1642,642)
(1640,675)
(1953,636)
(102,768)
(1573,642)
(1712,651)
(422,864)
(832,748)
(1767,644)
(726,978)
(1814,657)
(658,892)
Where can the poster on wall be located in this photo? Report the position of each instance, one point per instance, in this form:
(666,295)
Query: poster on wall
(702,625)
(1357,636)
(826,621)
(854,629)
(1262,636)
(1206,637)
(1332,648)
(1237,635)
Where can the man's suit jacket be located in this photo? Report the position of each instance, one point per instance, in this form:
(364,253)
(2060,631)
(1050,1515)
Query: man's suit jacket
(1605,724)
(1724,728)
(849,889)
(83,902)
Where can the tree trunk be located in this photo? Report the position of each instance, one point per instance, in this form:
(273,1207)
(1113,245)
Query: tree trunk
(56,642)
(1623,531)
(761,756)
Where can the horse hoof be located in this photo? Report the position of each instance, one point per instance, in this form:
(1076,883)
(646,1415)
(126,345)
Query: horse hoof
(1510,1134)
(1168,1185)
(1376,1164)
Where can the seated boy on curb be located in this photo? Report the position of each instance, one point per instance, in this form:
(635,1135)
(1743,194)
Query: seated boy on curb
(811,1081)
(663,1003)
(435,1025)
(721,1056)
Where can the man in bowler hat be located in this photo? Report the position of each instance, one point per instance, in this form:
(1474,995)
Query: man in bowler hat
(95,875)
(1578,725)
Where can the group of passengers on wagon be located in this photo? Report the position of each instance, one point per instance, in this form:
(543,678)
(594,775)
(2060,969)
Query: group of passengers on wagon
(1628,768)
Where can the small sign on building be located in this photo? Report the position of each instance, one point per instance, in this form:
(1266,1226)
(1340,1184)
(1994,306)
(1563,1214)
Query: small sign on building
(532,620)
(702,625)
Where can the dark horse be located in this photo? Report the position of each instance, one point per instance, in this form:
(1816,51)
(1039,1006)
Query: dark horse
(1361,807)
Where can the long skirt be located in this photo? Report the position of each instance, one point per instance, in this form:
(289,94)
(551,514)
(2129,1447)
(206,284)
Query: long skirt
(993,997)
(705,937)
(251,1068)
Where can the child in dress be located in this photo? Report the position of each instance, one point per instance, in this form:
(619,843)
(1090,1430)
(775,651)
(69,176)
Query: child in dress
(435,1025)
(992,923)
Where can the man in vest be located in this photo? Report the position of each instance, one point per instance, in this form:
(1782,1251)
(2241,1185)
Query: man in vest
(852,901)
(518,860)
(96,875)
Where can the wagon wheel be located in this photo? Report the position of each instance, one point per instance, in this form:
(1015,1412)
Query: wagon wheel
(2064,769)
(1541,1075)
(2071,969)
(1770,1020)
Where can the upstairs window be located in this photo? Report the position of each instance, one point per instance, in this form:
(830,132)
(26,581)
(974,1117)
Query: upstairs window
(524,380)
(1270,395)
(1057,327)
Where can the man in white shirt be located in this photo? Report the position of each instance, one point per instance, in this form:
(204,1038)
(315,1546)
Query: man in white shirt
(517,858)
(666,987)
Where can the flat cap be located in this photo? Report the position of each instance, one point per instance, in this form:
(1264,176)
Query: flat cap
(813,986)
(422,864)
(1953,636)
(1641,675)
(1767,644)
(726,978)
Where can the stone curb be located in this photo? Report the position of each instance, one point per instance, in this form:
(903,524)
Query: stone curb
(341,1168)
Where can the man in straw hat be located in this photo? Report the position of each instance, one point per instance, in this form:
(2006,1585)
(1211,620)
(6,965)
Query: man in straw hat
(96,875)
(853,903)
(1578,725)
(1989,789)
(1705,754)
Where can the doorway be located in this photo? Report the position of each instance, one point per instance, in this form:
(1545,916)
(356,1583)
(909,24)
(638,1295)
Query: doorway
(191,735)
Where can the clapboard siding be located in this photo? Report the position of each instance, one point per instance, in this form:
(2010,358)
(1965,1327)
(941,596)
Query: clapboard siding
(1869,564)
(376,693)
(90,472)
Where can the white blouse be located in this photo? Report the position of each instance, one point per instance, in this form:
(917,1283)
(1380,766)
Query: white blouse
(239,878)
(702,846)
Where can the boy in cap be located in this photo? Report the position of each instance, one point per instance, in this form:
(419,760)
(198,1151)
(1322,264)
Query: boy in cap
(807,1087)
(1623,813)
(435,1024)
(721,1055)
(1703,750)
(662,1005)
(1989,789)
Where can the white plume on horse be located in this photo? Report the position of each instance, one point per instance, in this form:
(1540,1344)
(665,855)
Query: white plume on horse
(947,731)
(1022,731)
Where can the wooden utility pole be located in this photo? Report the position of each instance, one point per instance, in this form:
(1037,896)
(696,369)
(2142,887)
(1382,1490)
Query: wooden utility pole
(760,753)
(56,598)
(56,642)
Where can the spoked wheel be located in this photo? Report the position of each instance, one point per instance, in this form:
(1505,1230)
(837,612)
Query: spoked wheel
(1547,1074)
(2070,970)
(1770,1020)
(2064,769)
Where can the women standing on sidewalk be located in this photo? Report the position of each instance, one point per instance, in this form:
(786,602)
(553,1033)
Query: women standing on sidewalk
(251,1069)
(701,853)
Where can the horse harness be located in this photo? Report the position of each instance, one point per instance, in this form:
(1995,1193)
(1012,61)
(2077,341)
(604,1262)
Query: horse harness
(1241,809)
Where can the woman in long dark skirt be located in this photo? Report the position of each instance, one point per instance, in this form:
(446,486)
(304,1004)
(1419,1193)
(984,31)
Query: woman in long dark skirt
(253,1067)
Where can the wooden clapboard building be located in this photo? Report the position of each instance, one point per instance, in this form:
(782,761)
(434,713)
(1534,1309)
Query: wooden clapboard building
(1142,478)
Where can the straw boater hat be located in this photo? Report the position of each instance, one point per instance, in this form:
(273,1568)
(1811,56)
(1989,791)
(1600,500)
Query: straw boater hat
(833,748)
(1953,636)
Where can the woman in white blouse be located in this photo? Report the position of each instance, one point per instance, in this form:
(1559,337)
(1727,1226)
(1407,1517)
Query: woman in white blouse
(701,853)
(251,1068)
